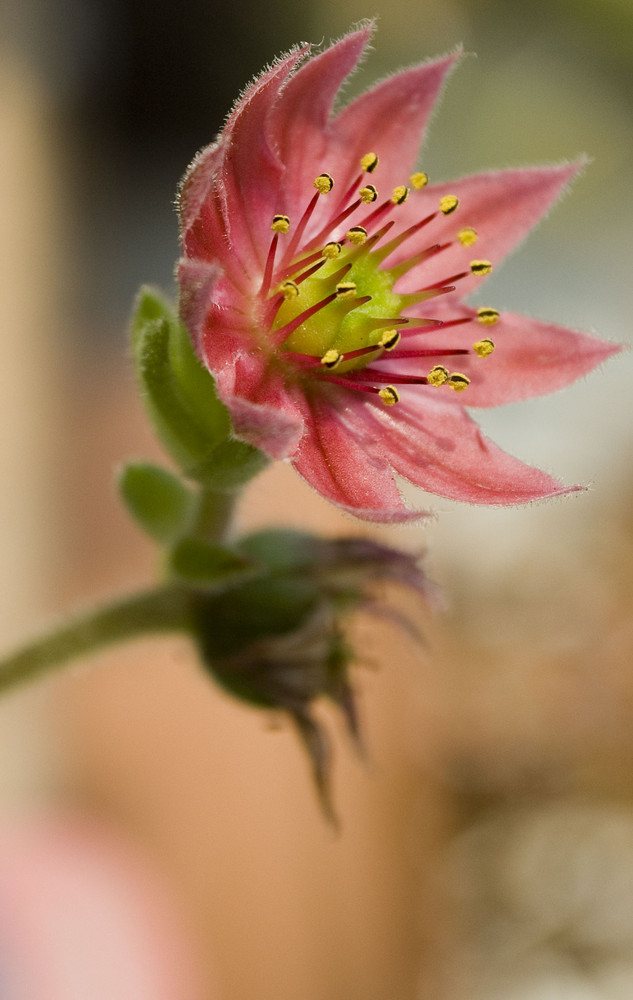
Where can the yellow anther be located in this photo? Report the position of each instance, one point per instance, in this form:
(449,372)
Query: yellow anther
(389,339)
(289,289)
(448,203)
(331,250)
(487,316)
(331,359)
(438,375)
(419,180)
(280,224)
(356,235)
(484,347)
(346,289)
(368,194)
(400,194)
(468,236)
(389,395)
(458,382)
(480,266)
(324,183)
(369,163)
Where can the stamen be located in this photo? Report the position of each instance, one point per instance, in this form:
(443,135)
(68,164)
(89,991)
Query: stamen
(484,347)
(455,322)
(411,262)
(400,194)
(332,250)
(357,235)
(419,180)
(378,235)
(438,375)
(284,331)
(369,162)
(386,206)
(390,339)
(393,244)
(346,289)
(361,352)
(270,263)
(428,324)
(366,325)
(448,203)
(295,267)
(487,316)
(356,386)
(324,183)
(467,236)
(309,272)
(437,288)
(458,382)
(368,194)
(480,266)
(331,359)
(289,290)
(382,377)
(334,223)
(340,274)
(280,224)
(300,229)
(432,352)
(432,292)
(389,395)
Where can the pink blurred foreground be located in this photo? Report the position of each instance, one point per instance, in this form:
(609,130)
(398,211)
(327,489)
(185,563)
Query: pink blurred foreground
(82,915)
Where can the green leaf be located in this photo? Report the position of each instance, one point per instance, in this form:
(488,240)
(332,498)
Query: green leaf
(181,400)
(283,550)
(209,566)
(157,499)
(197,385)
(230,466)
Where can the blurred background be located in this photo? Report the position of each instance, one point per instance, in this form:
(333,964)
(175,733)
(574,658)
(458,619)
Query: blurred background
(486,848)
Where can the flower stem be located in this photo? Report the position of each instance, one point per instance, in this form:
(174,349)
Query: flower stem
(164,609)
(214,515)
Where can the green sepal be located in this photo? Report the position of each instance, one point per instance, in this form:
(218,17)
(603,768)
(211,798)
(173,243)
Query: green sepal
(209,567)
(197,385)
(181,400)
(228,622)
(283,550)
(157,500)
(231,464)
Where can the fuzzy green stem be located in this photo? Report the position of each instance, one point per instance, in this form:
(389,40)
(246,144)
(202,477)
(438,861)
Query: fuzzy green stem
(214,515)
(164,609)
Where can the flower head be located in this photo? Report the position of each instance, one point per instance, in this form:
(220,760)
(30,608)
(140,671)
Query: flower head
(323,284)
(278,641)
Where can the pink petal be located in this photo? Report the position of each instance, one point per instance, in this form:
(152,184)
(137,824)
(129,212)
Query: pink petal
(197,280)
(389,120)
(261,405)
(273,432)
(298,122)
(436,446)
(219,333)
(333,460)
(197,182)
(531,358)
(249,180)
(502,206)
(265,410)
(82,915)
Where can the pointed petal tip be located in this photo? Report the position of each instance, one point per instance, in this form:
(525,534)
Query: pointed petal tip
(390,515)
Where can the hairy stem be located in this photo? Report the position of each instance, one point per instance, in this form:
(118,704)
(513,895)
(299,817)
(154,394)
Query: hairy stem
(214,515)
(164,609)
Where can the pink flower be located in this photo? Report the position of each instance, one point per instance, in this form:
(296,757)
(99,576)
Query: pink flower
(323,285)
